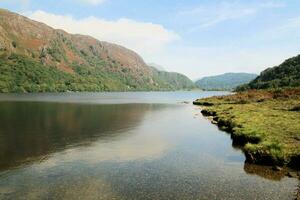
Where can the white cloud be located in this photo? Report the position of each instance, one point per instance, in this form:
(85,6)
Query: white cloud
(145,38)
(209,15)
(223,12)
(291,24)
(284,30)
(271,4)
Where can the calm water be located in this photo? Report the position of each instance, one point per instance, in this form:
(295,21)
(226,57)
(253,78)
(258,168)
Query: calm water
(123,146)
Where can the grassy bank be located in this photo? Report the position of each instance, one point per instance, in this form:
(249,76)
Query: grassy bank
(265,124)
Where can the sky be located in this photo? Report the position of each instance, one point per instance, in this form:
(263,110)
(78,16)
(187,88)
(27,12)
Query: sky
(194,37)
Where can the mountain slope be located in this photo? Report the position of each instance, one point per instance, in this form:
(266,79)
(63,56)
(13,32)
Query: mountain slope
(227,81)
(37,58)
(156,66)
(173,80)
(286,74)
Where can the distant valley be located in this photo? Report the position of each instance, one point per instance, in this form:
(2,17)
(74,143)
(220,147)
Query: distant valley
(227,81)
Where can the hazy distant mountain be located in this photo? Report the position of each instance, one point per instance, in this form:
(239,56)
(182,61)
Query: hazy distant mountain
(38,58)
(285,75)
(228,81)
(156,66)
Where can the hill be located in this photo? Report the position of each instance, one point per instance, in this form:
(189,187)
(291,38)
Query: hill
(286,74)
(173,80)
(38,58)
(156,66)
(265,124)
(228,81)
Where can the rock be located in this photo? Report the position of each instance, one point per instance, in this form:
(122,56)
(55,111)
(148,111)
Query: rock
(276,168)
(292,174)
(214,122)
(185,102)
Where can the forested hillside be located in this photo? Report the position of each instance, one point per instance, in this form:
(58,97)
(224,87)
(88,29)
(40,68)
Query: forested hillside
(38,58)
(285,75)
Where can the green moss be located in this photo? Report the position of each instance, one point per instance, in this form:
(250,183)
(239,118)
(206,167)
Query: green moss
(269,127)
(14,44)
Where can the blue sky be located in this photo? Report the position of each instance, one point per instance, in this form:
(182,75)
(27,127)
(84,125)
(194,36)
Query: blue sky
(194,37)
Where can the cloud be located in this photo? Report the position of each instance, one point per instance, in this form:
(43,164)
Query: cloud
(210,15)
(93,2)
(271,4)
(145,38)
(224,12)
(284,30)
(292,24)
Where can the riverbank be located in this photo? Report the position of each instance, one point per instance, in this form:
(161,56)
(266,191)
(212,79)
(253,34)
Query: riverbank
(264,124)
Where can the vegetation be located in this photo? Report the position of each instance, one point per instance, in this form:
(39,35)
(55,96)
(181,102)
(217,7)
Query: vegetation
(266,123)
(173,80)
(285,75)
(59,62)
(228,81)
(22,74)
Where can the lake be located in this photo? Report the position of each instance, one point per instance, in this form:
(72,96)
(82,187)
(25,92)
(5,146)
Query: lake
(143,145)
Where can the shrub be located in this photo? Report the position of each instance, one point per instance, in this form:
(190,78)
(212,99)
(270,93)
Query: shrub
(14,44)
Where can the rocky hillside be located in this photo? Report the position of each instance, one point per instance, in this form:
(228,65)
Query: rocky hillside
(286,74)
(228,81)
(38,58)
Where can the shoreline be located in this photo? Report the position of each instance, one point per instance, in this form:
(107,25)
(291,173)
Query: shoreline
(242,140)
(212,109)
(258,125)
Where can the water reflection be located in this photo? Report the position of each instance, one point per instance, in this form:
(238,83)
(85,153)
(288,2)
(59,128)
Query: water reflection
(30,131)
(266,172)
(124,151)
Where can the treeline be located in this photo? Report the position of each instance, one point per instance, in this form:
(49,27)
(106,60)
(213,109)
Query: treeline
(19,74)
(285,75)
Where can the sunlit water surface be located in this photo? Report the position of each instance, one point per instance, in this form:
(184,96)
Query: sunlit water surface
(123,146)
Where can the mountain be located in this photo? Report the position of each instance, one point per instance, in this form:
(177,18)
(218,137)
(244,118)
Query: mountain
(228,81)
(38,58)
(173,80)
(286,74)
(156,66)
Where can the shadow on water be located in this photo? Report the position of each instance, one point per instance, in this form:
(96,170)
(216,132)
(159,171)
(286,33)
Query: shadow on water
(30,131)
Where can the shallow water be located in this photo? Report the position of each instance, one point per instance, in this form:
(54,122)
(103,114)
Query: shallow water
(123,146)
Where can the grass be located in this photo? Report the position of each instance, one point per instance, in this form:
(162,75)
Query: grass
(265,123)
